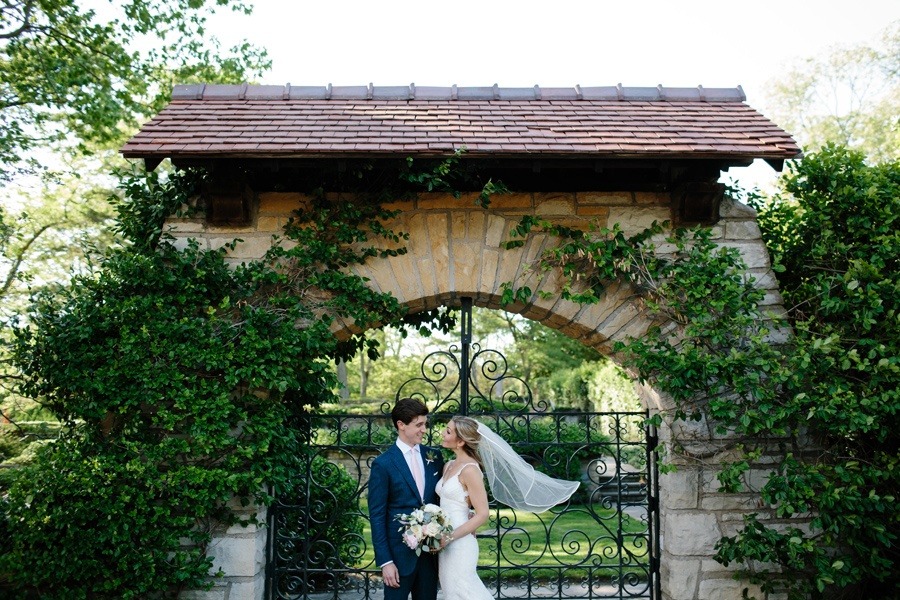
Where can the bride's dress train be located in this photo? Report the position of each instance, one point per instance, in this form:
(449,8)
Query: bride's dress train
(457,561)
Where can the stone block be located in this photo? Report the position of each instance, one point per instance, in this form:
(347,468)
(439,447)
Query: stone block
(269,225)
(282,203)
(755,254)
(458,221)
(742,230)
(218,592)
(251,247)
(495,231)
(605,198)
(487,283)
(439,200)
(382,275)
(554,203)
(238,556)
(415,225)
(679,578)
(183,242)
(764,279)
(510,262)
(401,205)
(732,209)
(727,589)
(562,313)
(657,198)
(407,276)
(427,277)
(772,298)
(438,227)
(722,501)
(618,319)
(601,213)
(475,225)
(466,268)
(246,530)
(232,230)
(708,565)
(679,489)
(252,589)
(634,329)
(690,533)
(501,201)
(635,220)
(176,226)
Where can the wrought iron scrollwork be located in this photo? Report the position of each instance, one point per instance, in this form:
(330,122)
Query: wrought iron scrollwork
(603,543)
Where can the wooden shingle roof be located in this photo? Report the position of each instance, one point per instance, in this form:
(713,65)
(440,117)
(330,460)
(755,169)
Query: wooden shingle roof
(240,121)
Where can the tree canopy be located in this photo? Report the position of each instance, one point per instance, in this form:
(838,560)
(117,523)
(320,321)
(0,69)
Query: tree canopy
(75,75)
(849,96)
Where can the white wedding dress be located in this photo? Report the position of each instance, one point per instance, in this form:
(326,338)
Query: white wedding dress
(457,561)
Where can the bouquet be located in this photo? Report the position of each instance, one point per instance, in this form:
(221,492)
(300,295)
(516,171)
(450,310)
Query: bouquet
(423,528)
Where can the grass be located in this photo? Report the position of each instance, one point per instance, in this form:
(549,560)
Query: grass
(582,540)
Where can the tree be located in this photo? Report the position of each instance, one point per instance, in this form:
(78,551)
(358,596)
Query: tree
(71,75)
(850,96)
(74,82)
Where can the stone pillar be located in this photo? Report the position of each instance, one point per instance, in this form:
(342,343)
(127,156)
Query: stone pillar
(239,554)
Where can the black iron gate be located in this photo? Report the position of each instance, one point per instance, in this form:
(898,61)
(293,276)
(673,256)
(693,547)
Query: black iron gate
(603,543)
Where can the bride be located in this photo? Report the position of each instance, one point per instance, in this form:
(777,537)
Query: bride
(463,497)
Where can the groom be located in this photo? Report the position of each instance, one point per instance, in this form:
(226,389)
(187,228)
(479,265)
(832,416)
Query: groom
(402,480)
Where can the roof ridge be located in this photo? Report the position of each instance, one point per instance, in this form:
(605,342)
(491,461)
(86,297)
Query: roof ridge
(244,91)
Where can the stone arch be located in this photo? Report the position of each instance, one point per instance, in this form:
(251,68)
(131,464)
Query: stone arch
(454,251)
(457,253)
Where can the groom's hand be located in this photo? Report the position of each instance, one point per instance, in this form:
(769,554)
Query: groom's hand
(391,575)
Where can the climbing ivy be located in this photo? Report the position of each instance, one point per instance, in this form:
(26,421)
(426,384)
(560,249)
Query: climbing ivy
(184,384)
(821,404)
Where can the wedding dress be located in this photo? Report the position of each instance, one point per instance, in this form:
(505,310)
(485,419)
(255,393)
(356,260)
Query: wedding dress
(457,561)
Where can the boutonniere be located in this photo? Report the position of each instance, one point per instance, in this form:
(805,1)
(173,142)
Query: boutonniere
(430,457)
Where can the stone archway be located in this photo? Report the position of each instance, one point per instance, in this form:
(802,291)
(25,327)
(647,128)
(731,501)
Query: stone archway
(453,251)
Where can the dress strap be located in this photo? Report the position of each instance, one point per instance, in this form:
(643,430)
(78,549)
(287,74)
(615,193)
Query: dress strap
(466,465)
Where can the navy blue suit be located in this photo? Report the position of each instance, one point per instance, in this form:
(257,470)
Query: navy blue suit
(392,492)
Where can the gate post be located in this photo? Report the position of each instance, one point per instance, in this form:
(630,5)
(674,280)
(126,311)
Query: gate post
(240,554)
(465,339)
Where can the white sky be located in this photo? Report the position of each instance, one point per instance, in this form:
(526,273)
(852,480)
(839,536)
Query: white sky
(552,43)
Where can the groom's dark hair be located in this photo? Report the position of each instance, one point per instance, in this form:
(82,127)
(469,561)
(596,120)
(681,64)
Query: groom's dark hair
(407,409)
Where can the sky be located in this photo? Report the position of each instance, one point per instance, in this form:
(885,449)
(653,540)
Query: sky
(558,43)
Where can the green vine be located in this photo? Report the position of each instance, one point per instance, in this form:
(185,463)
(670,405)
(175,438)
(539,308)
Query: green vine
(816,410)
(184,385)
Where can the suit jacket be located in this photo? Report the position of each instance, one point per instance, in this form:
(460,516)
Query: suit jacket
(392,492)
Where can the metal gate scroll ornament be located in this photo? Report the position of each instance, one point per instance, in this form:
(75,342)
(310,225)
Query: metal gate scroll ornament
(603,543)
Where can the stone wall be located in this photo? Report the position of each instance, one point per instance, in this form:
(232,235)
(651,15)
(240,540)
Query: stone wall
(454,251)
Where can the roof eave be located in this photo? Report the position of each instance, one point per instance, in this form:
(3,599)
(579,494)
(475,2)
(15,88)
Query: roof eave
(775,159)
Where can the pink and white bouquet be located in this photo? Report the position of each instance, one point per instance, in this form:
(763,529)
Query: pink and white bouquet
(424,527)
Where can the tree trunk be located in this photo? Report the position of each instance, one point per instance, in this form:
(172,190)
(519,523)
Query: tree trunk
(342,378)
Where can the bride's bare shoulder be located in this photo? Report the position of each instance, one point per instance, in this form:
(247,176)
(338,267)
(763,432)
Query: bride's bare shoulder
(468,463)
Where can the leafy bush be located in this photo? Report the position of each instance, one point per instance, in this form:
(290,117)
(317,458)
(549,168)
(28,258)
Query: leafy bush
(183,384)
(359,436)
(835,236)
(593,386)
(11,445)
(182,376)
(833,388)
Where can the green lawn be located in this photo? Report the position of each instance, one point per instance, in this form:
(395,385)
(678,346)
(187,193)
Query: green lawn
(578,540)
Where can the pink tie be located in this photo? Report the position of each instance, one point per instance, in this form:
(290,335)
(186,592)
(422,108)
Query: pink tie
(417,471)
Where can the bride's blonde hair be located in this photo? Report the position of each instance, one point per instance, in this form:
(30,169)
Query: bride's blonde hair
(467,431)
